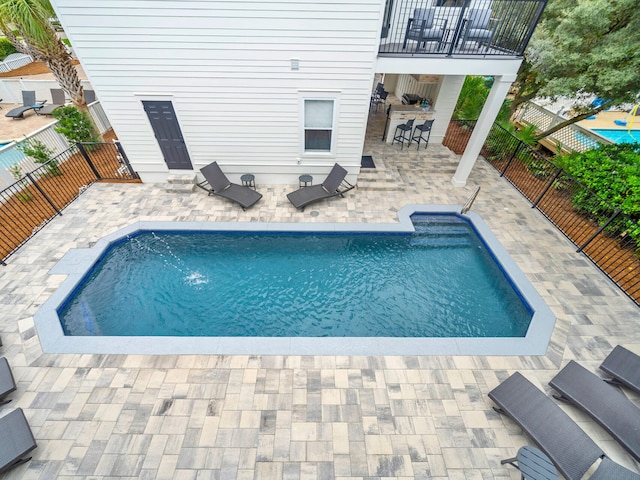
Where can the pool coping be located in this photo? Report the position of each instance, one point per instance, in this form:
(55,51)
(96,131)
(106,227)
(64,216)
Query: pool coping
(76,262)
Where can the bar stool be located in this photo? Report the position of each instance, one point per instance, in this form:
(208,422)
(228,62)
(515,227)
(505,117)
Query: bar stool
(401,137)
(425,127)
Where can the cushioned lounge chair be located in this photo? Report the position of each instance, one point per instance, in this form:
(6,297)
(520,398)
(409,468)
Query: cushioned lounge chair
(28,103)
(57,100)
(17,440)
(606,404)
(624,368)
(7,383)
(216,183)
(335,184)
(570,449)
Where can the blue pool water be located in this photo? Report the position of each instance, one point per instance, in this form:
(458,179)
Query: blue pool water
(440,281)
(618,136)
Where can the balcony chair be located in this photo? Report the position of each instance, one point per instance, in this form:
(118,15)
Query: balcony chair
(380,98)
(419,130)
(479,27)
(401,133)
(421,29)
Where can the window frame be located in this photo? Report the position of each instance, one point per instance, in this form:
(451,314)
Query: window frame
(332,96)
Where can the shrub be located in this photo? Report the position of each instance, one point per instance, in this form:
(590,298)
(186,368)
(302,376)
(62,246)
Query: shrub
(76,126)
(6,48)
(612,172)
(41,154)
(24,195)
(472,97)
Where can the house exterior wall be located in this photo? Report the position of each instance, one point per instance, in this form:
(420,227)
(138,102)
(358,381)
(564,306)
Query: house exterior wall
(227,69)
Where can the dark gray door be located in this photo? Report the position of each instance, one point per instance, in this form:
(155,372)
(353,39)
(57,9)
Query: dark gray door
(167,131)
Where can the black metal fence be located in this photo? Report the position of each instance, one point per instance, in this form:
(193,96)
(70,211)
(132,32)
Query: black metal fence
(598,229)
(36,198)
(457,27)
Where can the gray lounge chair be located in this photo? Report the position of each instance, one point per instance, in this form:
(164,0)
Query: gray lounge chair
(331,187)
(216,183)
(17,440)
(624,368)
(606,404)
(570,449)
(7,383)
(89,96)
(57,100)
(28,103)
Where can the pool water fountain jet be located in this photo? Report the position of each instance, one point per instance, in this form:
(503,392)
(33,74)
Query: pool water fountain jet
(191,277)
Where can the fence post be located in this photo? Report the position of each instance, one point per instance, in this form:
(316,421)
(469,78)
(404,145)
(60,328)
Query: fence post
(606,224)
(33,181)
(126,160)
(515,152)
(546,189)
(84,153)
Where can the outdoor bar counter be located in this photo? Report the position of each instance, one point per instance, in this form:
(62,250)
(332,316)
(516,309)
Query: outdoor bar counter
(403,113)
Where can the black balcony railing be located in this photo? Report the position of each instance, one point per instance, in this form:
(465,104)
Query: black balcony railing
(459,27)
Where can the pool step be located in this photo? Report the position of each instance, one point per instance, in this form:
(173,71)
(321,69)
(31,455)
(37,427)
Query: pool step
(441,231)
(181,183)
(441,241)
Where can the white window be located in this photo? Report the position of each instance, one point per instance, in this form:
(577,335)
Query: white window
(318,125)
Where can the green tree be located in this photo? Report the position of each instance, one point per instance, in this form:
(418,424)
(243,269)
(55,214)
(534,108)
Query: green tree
(584,47)
(32,20)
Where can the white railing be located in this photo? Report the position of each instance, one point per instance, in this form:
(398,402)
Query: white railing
(15,60)
(12,159)
(572,138)
(99,117)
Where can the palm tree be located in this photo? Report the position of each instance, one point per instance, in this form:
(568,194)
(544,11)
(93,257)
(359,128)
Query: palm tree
(31,19)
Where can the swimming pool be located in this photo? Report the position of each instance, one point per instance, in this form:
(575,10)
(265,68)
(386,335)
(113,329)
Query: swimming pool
(369,307)
(618,135)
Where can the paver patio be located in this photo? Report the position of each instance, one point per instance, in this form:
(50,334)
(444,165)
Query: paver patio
(298,417)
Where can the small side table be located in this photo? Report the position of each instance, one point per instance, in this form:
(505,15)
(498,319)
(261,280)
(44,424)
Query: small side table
(533,464)
(248,180)
(305,180)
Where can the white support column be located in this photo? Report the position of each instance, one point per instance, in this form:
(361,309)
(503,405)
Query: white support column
(445,103)
(488,116)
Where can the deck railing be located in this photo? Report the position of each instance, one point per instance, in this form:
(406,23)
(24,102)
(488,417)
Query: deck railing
(507,32)
(598,229)
(43,192)
(13,160)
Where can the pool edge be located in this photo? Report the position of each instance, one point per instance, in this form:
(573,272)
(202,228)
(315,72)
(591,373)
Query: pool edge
(75,261)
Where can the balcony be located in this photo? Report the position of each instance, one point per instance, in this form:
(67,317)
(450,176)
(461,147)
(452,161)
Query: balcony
(458,28)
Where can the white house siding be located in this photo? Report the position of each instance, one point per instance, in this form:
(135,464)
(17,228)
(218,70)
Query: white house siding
(226,66)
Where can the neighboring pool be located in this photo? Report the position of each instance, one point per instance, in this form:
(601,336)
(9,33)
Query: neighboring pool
(618,135)
(380,289)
